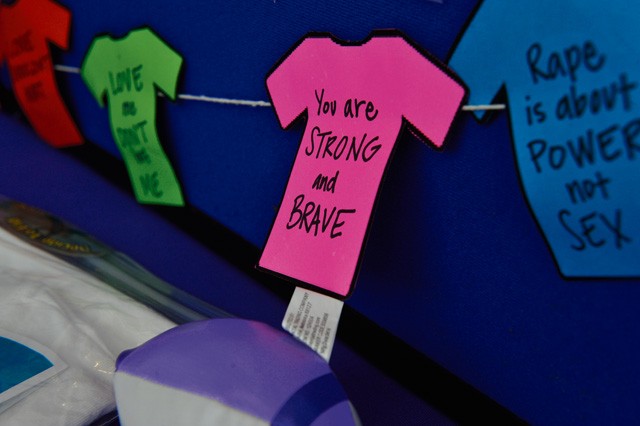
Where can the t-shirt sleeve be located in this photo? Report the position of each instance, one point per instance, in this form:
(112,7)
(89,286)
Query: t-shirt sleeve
(92,71)
(55,21)
(432,97)
(478,57)
(289,81)
(165,59)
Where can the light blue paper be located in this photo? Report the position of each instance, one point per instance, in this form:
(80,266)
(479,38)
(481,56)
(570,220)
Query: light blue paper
(24,364)
(19,363)
(571,70)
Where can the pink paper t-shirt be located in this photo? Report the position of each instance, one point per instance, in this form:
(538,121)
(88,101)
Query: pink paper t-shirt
(357,99)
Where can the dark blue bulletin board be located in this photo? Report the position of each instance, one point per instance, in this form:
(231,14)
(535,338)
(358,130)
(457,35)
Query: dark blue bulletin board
(456,270)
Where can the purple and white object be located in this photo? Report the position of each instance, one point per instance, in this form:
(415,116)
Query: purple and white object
(228,371)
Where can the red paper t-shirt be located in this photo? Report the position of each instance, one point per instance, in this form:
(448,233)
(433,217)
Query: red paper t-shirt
(26,28)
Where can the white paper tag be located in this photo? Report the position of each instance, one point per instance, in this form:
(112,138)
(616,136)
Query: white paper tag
(313,318)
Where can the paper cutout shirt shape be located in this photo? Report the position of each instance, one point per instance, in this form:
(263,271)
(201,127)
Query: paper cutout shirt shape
(26,28)
(127,72)
(571,73)
(357,99)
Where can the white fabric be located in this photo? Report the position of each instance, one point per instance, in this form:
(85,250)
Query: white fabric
(83,320)
(141,402)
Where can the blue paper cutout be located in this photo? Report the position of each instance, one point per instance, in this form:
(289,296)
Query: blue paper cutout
(19,363)
(571,73)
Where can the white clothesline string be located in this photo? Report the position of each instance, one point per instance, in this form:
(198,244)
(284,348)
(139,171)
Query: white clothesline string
(244,102)
(203,98)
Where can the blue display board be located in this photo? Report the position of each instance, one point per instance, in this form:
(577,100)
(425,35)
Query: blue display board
(457,264)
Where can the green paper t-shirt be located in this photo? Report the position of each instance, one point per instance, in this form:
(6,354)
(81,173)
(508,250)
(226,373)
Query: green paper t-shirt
(128,71)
